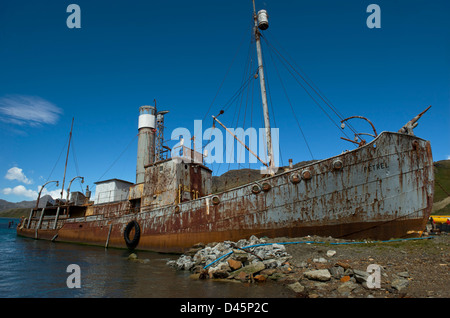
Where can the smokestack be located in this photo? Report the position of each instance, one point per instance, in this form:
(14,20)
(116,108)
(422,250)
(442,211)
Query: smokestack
(146,141)
(290,164)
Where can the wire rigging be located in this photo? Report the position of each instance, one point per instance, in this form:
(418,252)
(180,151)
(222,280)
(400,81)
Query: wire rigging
(114,162)
(291,69)
(292,108)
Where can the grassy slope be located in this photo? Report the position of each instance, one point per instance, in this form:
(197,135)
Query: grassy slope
(15,213)
(442,179)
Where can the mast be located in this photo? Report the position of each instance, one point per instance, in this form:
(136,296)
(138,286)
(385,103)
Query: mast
(263,93)
(67,157)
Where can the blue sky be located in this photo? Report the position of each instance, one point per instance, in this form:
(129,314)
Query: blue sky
(191,57)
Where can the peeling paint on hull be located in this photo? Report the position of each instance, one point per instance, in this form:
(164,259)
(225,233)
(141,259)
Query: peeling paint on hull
(382,190)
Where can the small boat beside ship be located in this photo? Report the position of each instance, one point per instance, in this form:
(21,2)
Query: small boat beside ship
(382,189)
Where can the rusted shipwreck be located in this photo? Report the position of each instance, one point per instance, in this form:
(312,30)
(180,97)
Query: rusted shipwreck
(380,190)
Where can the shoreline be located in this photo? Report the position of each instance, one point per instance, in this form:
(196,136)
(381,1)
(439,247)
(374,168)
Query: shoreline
(324,267)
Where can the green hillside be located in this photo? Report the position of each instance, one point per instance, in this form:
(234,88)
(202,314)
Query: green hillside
(442,180)
(15,213)
(441,187)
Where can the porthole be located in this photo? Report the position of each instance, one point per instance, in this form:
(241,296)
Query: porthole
(266,186)
(215,200)
(337,164)
(256,189)
(295,178)
(306,174)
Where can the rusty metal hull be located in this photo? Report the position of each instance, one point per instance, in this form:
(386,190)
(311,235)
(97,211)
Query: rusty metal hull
(381,190)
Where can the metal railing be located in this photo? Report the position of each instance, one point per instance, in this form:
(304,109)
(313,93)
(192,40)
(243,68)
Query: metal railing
(111,196)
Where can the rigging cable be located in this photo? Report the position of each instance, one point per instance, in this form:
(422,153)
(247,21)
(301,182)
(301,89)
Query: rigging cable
(306,90)
(328,102)
(57,160)
(292,108)
(226,74)
(114,162)
(310,81)
(76,163)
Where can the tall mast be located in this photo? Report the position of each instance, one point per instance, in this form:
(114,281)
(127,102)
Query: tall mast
(263,92)
(67,157)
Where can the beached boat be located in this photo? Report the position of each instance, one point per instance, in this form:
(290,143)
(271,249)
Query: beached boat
(382,189)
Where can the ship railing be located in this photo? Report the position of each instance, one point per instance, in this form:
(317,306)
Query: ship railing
(111,196)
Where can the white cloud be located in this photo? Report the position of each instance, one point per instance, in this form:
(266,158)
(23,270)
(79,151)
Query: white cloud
(21,191)
(28,110)
(448,157)
(55,194)
(16,173)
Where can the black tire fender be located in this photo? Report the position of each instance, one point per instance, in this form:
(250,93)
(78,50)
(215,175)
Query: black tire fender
(132,243)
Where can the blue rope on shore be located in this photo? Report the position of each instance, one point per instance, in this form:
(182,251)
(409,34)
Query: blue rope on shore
(319,242)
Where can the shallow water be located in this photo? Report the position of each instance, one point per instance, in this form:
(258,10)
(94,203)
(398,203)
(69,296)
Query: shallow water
(38,269)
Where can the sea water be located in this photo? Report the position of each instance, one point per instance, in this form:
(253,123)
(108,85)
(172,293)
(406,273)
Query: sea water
(41,269)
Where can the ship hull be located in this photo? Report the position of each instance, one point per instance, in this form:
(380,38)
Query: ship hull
(379,191)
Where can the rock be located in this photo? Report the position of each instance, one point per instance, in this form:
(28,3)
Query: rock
(337,271)
(132,257)
(260,278)
(199,245)
(360,276)
(234,264)
(320,260)
(331,253)
(288,279)
(299,264)
(270,263)
(250,269)
(242,276)
(346,288)
(195,276)
(277,276)
(253,240)
(276,262)
(220,274)
(344,265)
(285,268)
(320,285)
(320,275)
(345,279)
(220,267)
(399,283)
(240,255)
(296,287)
(185,263)
(193,250)
(171,263)
(403,274)
(268,271)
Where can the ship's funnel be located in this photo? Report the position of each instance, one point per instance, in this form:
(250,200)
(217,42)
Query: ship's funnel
(146,141)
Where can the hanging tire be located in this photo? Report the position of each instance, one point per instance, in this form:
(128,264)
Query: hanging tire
(132,243)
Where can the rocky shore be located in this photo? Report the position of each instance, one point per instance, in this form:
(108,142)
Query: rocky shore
(325,267)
